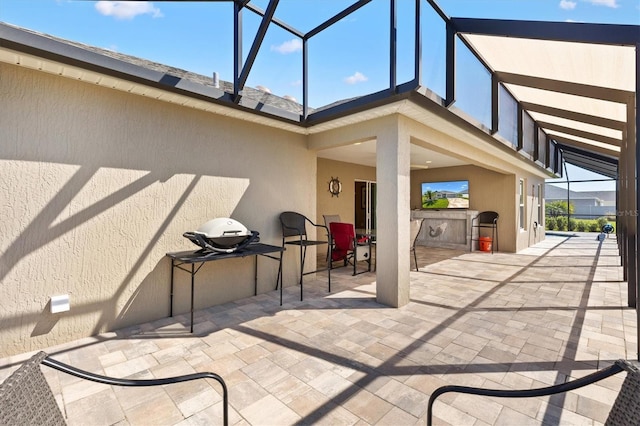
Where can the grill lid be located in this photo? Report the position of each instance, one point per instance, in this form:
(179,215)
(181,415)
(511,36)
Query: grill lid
(222,235)
(223,227)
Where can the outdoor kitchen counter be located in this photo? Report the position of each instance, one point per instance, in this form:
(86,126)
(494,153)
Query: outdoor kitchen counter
(196,258)
(446,228)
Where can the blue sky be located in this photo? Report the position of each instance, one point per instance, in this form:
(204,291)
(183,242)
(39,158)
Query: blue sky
(348,60)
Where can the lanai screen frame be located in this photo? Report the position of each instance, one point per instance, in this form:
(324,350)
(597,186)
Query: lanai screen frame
(557,150)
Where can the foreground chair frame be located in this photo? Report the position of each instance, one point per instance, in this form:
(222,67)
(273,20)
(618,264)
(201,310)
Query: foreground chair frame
(26,398)
(625,410)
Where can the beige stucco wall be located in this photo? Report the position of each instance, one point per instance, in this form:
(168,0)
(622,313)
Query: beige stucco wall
(531,233)
(348,173)
(489,190)
(97,185)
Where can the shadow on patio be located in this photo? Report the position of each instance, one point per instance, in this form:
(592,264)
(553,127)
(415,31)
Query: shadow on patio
(512,321)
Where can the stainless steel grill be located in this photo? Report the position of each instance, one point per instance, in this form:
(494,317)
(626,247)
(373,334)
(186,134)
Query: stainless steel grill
(222,235)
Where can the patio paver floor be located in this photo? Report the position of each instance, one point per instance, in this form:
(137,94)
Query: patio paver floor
(550,313)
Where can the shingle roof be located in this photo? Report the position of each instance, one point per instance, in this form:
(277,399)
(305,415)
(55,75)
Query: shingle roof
(249,92)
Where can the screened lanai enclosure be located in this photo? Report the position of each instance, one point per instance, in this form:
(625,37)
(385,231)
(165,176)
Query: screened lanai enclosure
(546,93)
(555,92)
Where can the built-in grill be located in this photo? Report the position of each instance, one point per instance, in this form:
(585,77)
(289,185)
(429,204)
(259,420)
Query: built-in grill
(222,235)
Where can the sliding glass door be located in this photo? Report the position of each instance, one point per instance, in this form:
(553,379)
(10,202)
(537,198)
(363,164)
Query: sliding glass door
(365,205)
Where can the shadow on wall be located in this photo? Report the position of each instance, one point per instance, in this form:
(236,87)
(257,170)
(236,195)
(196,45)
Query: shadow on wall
(42,231)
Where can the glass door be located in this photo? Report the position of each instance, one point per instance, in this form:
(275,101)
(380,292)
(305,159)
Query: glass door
(365,206)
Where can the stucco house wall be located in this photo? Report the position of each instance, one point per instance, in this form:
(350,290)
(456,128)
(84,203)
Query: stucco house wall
(97,185)
(348,173)
(489,190)
(533,231)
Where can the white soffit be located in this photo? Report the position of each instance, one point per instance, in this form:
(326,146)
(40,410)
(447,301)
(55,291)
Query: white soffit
(604,131)
(592,64)
(613,150)
(581,104)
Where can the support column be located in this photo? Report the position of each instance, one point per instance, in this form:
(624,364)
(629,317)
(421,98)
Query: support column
(630,212)
(393,214)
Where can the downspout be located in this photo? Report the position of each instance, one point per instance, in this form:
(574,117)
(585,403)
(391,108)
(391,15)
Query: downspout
(566,172)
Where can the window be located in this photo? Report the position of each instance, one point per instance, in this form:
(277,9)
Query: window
(522,198)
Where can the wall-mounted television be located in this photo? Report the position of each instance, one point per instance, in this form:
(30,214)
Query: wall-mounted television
(452,194)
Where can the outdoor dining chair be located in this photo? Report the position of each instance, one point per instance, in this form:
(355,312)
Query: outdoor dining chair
(625,410)
(27,399)
(294,232)
(347,248)
(486,220)
(328,218)
(414,232)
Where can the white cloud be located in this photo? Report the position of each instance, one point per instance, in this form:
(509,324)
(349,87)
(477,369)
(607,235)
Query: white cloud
(608,3)
(287,47)
(127,9)
(567,4)
(358,77)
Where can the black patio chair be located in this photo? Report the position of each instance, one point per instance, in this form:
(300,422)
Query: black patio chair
(488,219)
(294,232)
(27,399)
(414,232)
(625,410)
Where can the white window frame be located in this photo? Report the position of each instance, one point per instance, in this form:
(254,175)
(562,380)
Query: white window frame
(540,212)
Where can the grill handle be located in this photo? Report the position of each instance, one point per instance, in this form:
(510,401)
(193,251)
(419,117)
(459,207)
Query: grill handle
(200,240)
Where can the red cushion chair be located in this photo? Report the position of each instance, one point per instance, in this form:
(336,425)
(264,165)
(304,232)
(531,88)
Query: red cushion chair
(348,248)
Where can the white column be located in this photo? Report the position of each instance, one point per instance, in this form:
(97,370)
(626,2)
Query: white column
(393,213)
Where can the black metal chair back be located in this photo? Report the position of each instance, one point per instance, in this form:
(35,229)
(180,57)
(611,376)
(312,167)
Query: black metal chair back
(293,224)
(488,217)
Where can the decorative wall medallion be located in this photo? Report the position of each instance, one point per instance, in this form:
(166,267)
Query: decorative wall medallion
(335,187)
(437,231)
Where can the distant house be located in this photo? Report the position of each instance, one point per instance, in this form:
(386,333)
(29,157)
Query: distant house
(587,204)
(450,194)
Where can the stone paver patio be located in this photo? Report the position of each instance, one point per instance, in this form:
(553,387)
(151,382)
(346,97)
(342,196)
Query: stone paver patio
(553,312)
